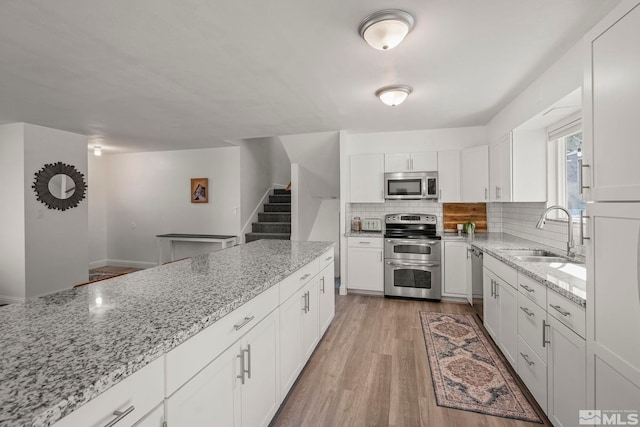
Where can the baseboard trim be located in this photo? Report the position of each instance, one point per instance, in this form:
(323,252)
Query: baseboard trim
(98,264)
(129,263)
(10,300)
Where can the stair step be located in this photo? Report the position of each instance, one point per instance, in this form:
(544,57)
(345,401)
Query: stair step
(274,217)
(280,198)
(277,207)
(281,191)
(250,237)
(271,227)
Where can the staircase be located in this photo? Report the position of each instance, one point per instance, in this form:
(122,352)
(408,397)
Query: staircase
(275,221)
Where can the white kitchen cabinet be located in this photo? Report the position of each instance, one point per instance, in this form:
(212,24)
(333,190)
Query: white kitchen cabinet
(469,268)
(566,389)
(367,178)
(475,174)
(155,418)
(411,162)
(611,101)
(507,320)
(327,298)
(291,312)
(455,269)
(490,304)
(500,170)
(310,318)
(365,270)
(449,176)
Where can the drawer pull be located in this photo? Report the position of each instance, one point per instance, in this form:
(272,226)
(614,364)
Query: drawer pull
(322,280)
(526,359)
(526,288)
(527,312)
(242,370)
(305,276)
(328,259)
(248,359)
(246,320)
(560,310)
(365,243)
(119,416)
(544,333)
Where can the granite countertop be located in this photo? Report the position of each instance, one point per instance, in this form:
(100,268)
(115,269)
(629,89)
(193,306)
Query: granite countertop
(364,234)
(567,279)
(62,350)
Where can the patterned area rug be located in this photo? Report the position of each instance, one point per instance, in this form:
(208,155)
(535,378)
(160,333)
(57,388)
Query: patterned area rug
(467,373)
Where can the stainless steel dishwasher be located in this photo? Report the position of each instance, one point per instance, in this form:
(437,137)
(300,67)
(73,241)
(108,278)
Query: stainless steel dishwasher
(476,281)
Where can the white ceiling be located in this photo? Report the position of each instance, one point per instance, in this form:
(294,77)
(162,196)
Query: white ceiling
(156,75)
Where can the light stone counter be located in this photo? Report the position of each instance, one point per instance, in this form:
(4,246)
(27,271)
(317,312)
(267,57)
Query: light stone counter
(62,350)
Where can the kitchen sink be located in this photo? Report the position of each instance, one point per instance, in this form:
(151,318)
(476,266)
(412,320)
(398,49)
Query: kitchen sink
(543,258)
(530,253)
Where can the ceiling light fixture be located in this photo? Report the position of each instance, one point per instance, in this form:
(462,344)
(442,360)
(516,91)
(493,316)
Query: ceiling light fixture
(385,29)
(393,95)
(97,150)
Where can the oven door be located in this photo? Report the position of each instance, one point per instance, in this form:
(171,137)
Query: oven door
(412,249)
(412,279)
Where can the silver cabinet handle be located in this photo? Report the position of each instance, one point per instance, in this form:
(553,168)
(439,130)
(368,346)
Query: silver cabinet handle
(119,416)
(380,256)
(304,302)
(528,289)
(527,312)
(409,164)
(440,194)
(582,238)
(495,292)
(582,166)
(305,276)
(486,192)
(492,287)
(560,310)
(248,370)
(526,359)
(322,281)
(496,192)
(406,264)
(365,243)
(544,333)
(329,258)
(246,320)
(242,371)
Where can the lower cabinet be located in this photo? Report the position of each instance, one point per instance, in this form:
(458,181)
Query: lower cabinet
(490,303)
(327,298)
(507,320)
(455,269)
(365,270)
(154,418)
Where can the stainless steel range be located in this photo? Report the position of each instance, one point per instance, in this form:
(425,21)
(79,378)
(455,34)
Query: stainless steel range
(412,253)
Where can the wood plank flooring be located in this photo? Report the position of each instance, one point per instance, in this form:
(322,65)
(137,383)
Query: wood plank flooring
(371,369)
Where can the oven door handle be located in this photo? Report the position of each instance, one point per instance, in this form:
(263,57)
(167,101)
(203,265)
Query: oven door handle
(412,242)
(409,264)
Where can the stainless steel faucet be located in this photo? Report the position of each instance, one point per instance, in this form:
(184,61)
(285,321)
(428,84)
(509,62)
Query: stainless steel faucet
(570,245)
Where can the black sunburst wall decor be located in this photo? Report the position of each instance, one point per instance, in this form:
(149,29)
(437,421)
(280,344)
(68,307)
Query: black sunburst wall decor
(41,186)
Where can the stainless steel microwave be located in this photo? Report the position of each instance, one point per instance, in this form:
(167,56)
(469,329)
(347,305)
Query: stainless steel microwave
(411,185)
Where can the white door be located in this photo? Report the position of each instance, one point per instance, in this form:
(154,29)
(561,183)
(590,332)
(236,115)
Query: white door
(490,304)
(455,269)
(154,418)
(365,269)
(566,375)
(260,392)
(613,322)
(210,398)
(367,178)
(424,161)
(611,105)
(397,162)
(449,176)
(508,321)
(291,312)
(327,300)
(475,174)
(310,319)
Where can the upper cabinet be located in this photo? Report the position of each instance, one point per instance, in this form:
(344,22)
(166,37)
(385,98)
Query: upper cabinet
(449,176)
(408,162)
(475,174)
(367,178)
(500,170)
(611,105)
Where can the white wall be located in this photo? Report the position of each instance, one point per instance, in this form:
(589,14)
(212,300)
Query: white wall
(56,242)
(97,198)
(304,207)
(326,227)
(12,221)
(148,194)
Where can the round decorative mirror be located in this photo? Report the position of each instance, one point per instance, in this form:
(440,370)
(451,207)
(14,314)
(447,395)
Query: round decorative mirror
(59,186)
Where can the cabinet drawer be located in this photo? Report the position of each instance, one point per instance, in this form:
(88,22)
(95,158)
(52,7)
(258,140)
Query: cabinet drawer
(365,242)
(326,259)
(298,279)
(142,390)
(535,291)
(530,326)
(502,270)
(533,372)
(568,312)
(186,360)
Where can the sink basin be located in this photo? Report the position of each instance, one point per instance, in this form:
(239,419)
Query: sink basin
(531,253)
(543,258)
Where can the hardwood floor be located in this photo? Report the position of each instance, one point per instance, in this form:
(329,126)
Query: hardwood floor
(371,369)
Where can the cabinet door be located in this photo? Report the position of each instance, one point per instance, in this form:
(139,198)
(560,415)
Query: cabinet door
(260,393)
(211,395)
(327,298)
(500,170)
(424,161)
(475,174)
(365,270)
(455,269)
(529,166)
(469,268)
(490,304)
(613,280)
(508,321)
(449,176)
(310,319)
(566,374)
(154,418)
(397,162)
(367,178)
(612,101)
(291,312)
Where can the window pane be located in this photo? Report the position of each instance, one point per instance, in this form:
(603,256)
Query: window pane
(573,144)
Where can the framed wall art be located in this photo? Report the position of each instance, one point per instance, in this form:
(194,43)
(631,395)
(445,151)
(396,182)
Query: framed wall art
(199,190)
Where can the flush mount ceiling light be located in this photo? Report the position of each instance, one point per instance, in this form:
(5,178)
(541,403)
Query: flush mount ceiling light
(393,95)
(97,150)
(385,29)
